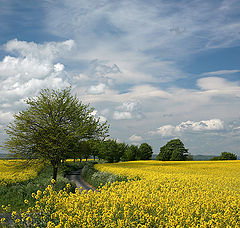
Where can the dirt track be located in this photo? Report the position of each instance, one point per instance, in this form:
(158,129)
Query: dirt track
(78,180)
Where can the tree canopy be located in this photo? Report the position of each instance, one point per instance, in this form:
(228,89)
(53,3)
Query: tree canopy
(130,153)
(144,152)
(225,156)
(52,124)
(174,150)
(111,151)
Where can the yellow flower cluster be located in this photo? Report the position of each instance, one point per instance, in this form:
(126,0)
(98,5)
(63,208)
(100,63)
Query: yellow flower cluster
(164,194)
(12,171)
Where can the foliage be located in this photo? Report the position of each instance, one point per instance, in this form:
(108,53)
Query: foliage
(97,178)
(189,157)
(88,170)
(122,147)
(85,149)
(111,151)
(168,194)
(174,150)
(54,122)
(144,152)
(225,156)
(94,148)
(68,167)
(130,153)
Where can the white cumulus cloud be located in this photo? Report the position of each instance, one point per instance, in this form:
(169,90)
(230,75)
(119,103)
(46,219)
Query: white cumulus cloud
(100,117)
(44,52)
(166,130)
(58,67)
(23,67)
(5,117)
(31,68)
(135,138)
(98,89)
(208,125)
(122,115)
(128,110)
(188,126)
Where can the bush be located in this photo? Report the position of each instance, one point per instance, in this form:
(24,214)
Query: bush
(68,167)
(97,178)
(88,170)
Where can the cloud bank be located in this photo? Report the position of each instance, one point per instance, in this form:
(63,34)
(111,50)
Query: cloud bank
(189,126)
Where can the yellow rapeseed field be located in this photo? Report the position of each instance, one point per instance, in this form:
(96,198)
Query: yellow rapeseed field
(158,194)
(12,171)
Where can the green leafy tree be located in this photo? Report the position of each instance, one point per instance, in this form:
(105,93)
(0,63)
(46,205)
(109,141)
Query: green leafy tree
(130,153)
(85,149)
(94,148)
(228,156)
(111,151)
(74,150)
(189,157)
(144,152)
(53,121)
(174,150)
(165,154)
(225,156)
(122,147)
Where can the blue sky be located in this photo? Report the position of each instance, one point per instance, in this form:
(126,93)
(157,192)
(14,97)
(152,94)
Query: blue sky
(155,70)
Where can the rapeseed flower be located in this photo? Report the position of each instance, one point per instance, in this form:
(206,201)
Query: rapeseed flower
(157,194)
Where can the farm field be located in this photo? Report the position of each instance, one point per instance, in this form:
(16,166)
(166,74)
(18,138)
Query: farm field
(12,171)
(158,194)
(184,194)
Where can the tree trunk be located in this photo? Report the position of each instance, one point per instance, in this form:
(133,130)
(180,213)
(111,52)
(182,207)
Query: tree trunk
(74,160)
(94,157)
(55,170)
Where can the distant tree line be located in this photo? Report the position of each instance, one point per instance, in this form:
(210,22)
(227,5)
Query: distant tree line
(174,150)
(225,156)
(110,150)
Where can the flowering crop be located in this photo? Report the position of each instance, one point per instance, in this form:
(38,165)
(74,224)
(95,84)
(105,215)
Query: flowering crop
(158,194)
(12,171)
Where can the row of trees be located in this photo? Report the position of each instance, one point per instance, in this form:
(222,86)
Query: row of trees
(111,151)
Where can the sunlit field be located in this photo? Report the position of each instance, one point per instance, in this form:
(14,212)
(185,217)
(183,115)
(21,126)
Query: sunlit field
(158,194)
(12,171)
(84,159)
